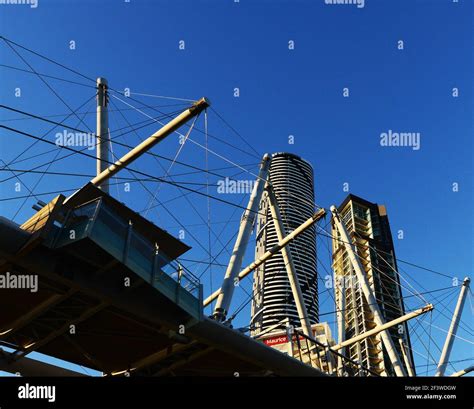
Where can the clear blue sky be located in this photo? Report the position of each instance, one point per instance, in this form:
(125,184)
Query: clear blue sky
(282,92)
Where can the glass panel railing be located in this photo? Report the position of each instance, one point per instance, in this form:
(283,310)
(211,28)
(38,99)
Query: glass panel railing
(110,231)
(140,254)
(185,278)
(143,255)
(117,236)
(78,224)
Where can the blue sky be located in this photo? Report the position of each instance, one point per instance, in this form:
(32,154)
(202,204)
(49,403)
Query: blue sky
(283,92)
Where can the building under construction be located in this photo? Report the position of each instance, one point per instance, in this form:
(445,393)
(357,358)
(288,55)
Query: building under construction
(368,227)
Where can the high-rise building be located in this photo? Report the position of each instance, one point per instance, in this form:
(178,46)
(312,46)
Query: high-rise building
(368,226)
(292,180)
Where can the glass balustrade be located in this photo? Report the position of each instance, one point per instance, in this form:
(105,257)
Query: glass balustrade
(117,236)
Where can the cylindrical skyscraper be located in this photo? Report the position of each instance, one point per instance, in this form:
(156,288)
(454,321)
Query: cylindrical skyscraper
(293,184)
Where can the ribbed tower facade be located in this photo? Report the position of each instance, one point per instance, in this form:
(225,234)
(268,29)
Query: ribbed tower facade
(293,183)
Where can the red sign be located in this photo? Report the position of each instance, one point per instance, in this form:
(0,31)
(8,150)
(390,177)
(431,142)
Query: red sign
(280,339)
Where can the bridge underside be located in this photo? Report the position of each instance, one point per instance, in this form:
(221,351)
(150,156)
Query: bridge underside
(82,313)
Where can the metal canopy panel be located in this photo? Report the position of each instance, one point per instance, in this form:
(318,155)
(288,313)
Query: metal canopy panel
(169,244)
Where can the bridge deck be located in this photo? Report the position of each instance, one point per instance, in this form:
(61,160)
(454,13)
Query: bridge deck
(82,311)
